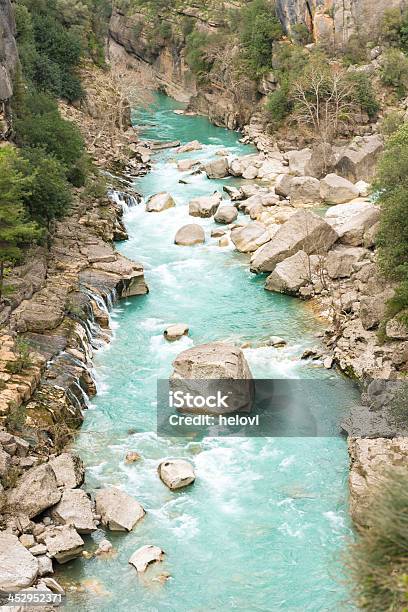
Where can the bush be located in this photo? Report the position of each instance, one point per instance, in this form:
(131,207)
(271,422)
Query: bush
(354,51)
(196,45)
(50,194)
(279,105)
(391,122)
(40,125)
(394,71)
(364,95)
(378,561)
(394,28)
(260,28)
(392,185)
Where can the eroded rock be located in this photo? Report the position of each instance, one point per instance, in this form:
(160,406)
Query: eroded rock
(176,473)
(118,510)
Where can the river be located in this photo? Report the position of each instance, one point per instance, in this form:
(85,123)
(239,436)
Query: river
(263,527)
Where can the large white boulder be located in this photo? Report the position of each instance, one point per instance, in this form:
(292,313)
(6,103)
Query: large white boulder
(18,567)
(145,556)
(293,273)
(217,168)
(282,185)
(176,473)
(351,221)
(205,206)
(215,360)
(176,331)
(75,508)
(34,492)
(226,214)
(298,161)
(335,189)
(250,237)
(118,511)
(190,235)
(358,160)
(194,145)
(159,202)
(340,260)
(63,543)
(69,470)
(304,191)
(303,231)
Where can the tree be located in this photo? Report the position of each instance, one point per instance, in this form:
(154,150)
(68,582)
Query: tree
(260,28)
(15,229)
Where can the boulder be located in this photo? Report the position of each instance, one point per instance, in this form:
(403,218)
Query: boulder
(303,231)
(363,188)
(63,543)
(190,235)
(298,161)
(282,185)
(186,164)
(145,556)
(335,189)
(304,191)
(217,168)
(35,491)
(250,173)
(194,145)
(159,202)
(226,214)
(18,567)
(396,329)
(293,273)
(216,360)
(44,565)
(205,206)
(340,261)
(352,221)
(373,309)
(69,470)
(118,511)
(234,193)
(250,237)
(176,473)
(175,332)
(322,160)
(358,160)
(5,462)
(75,508)
(277,342)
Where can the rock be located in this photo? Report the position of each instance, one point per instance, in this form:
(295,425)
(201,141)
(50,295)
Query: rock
(340,261)
(234,193)
(277,342)
(363,188)
(104,547)
(159,202)
(18,567)
(194,145)
(303,231)
(250,237)
(44,565)
(223,242)
(322,160)
(119,511)
(35,491)
(267,84)
(38,550)
(190,235)
(176,473)
(304,190)
(53,585)
(311,354)
(132,457)
(216,360)
(328,363)
(396,329)
(205,206)
(217,168)
(27,540)
(218,233)
(63,543)
(145,556)
(293,273)
(335,189)
(175,332)
(283,184)
(5,463)
(352,221)
(75,508)
(186,164)
(69,470)
(373,308)
(298,161)
(226,214)
(250,173)
(358,161)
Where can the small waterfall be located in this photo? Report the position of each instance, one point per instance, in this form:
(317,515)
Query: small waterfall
(123,199)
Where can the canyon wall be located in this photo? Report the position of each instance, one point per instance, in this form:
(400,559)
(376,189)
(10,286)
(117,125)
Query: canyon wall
(8,50)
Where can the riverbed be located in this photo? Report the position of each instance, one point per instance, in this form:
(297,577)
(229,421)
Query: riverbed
(264,525)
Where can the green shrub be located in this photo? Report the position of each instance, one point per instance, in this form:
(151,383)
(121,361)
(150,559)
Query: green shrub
(40,125)
(394,28)
(394,71)
(363,94)
(391,122)
(196,46)
(260,28)
(354,52)
(279,105)
(378,561)
(23,361)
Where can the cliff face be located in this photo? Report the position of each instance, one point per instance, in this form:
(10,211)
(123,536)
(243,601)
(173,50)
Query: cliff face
(336,20)
(8,49)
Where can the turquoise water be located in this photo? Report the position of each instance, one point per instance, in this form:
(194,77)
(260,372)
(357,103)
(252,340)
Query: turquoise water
(263,526)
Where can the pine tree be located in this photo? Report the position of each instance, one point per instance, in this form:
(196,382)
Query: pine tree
(15,229)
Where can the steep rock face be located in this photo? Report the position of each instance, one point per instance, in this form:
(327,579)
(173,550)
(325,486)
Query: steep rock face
(336,20)
(8,49)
